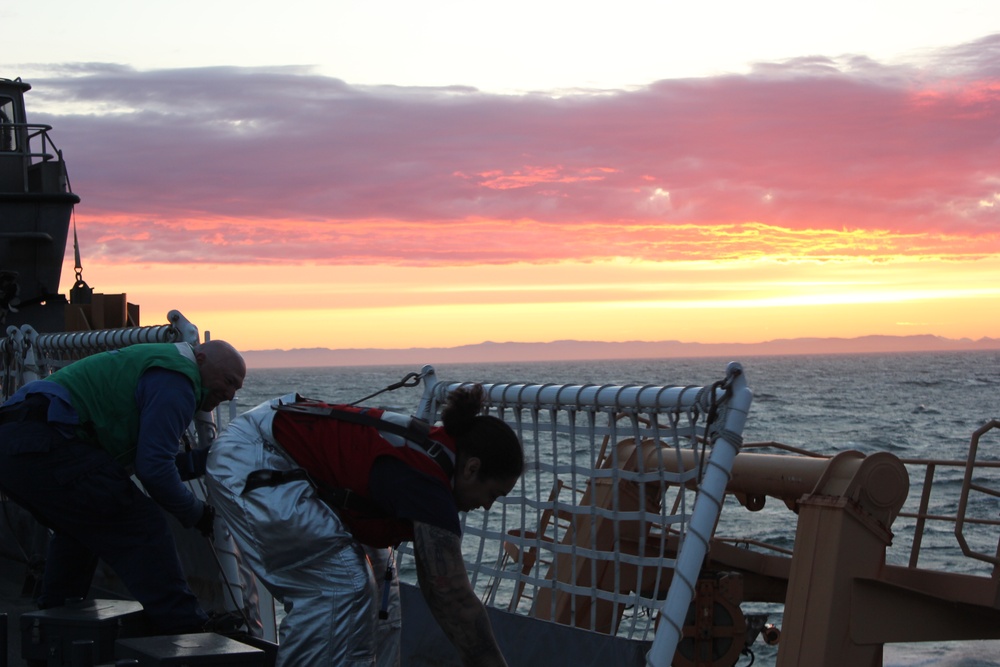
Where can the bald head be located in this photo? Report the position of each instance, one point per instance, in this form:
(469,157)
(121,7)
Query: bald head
(222,372)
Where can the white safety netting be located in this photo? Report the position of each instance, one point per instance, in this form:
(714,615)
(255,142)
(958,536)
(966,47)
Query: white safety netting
(608,527)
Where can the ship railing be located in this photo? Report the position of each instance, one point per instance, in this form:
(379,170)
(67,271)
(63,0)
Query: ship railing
(947,495)
(598,533)
(18,140)
(975,524)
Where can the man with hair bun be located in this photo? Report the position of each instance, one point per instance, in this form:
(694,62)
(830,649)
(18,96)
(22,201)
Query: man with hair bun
(307,487)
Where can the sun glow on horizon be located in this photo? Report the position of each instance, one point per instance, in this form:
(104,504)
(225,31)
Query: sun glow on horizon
(811,300)
(751,300)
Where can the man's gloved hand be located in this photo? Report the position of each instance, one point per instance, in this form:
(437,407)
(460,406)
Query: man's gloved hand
(206,524)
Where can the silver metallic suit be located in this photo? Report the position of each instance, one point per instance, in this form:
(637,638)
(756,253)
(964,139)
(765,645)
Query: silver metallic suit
(303,554)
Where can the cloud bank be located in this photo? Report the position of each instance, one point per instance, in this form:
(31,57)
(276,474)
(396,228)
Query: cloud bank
(813,157)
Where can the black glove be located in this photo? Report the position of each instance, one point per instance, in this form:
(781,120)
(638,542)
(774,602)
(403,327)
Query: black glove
(206,524)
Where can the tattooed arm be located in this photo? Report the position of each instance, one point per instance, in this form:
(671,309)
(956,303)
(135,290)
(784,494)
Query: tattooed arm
(446,588)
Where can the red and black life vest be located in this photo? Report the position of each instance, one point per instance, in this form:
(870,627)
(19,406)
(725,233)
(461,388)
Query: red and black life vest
(337,445)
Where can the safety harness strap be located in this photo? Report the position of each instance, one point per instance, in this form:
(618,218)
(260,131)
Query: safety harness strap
(337,498)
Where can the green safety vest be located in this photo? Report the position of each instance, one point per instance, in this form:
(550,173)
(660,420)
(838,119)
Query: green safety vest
(102,390)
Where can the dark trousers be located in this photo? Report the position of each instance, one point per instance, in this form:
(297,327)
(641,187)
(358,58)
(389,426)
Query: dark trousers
(96,512)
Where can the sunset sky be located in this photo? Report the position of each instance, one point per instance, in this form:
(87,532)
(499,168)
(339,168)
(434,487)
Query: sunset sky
(399,174)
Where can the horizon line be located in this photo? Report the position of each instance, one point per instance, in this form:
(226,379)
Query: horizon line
(583,350)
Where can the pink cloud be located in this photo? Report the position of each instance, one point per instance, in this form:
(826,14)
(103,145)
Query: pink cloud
(246,165)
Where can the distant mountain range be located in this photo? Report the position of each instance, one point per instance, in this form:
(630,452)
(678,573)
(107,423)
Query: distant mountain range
(574,350)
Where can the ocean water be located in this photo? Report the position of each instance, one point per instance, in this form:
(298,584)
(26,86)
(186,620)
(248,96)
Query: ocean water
(914,405)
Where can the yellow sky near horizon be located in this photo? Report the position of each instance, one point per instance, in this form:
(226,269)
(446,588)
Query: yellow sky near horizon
(730,301)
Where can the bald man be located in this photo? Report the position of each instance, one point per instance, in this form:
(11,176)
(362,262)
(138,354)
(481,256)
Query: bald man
(69,443)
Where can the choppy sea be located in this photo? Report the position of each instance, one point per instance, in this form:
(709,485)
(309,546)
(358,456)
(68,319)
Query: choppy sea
(914,405)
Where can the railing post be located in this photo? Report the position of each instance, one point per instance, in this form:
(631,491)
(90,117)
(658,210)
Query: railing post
(707,506)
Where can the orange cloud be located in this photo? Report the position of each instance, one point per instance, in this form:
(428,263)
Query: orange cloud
(237,241)
(530,175)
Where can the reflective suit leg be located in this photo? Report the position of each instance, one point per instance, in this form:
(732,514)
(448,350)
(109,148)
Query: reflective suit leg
(299,549)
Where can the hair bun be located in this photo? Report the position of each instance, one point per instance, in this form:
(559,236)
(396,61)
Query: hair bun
(461,408)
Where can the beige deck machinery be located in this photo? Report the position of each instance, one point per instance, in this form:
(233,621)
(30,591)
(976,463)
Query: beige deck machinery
(842,600)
